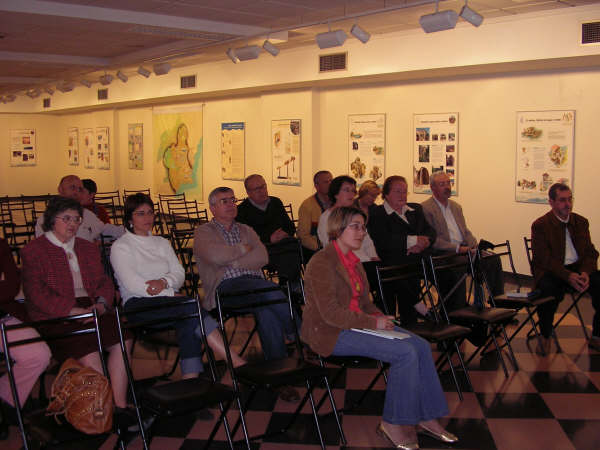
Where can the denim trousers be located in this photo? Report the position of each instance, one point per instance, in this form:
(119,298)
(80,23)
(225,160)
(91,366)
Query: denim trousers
(273,321)
(413,392)
(188,330)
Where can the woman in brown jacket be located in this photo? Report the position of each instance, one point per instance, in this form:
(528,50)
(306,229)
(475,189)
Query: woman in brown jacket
(337,302)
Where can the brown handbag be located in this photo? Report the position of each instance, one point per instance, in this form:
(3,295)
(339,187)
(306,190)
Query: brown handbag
(84,396)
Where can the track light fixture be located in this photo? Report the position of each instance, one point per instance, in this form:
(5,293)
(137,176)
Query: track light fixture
(65,86)
(439,20)
(143,72)
(232,56)
(86,83)
(360,34)
(248,52)
(49,90)
(121,76)
(270,48)
(33,93)
(471,16)
(161,68)
(331,39)
(9,98)
(106,79)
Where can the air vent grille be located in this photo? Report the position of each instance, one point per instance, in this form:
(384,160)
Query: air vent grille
(102,94)
(188,81)
(336,61)
(590,33)
(46,103)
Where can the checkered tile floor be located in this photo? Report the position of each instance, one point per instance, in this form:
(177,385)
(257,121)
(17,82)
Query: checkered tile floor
(552,402)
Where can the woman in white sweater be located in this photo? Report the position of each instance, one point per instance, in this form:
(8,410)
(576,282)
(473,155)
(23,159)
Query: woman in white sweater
(148,271)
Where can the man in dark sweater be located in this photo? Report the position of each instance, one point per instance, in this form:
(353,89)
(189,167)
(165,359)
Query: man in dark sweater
(267,216)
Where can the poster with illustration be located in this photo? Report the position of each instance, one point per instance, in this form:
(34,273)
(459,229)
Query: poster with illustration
(435,149)
(366,147)
(89,145)
(285,151)
(102,148)
(177,137)
(233,165)
(73,146)
(22,147)
(135,145)
(545,150)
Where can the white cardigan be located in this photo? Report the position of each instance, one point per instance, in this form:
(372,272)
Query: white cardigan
(137,259)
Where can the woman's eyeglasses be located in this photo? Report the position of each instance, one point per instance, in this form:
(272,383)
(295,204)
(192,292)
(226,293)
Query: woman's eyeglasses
(70,219)
(357,226)
(143,213)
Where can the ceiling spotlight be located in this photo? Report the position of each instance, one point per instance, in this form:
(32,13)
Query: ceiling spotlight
(247,52)
(86,83)
(106,79)
(270,48)
(471,16)
(49,90)
(360,34)
(232,56)
(439,20)
(9,98)
(33,93)
(143,72)
(162,68)
(65,86)
(121,76)
(331,39)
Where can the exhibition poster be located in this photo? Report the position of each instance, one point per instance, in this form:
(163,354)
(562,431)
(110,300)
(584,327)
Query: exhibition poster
(177,133)
(89,161)
(135,145)
(233,165)
(102,148)
(22,147)
(366,147)
(435,149)
(73,146)
(285,151)
(545,149)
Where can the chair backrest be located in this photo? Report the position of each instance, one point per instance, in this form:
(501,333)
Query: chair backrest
(528,252)
(503,251)
(436,265)
(111,201)
(164,198)
(290,212)
(182,241)
(387,275)
(184,214)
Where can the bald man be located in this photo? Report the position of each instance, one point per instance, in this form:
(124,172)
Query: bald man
(91,227)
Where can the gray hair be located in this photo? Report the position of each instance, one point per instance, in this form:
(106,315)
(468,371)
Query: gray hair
(434,176)
(212,197)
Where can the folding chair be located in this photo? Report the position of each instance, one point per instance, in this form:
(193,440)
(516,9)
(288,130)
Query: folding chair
(276,372)
(183,396)
(184,215)
(290,212)
(111,201)
(529,303)
(51,433)
(440,331)
(487,318)
(18,218)
(575,296)
(182,241)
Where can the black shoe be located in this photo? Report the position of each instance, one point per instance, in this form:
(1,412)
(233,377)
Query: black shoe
(288,394)
(204,415)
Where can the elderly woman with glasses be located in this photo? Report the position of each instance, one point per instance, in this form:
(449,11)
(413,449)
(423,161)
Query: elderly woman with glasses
(338,303)
(63,275)
(148,273)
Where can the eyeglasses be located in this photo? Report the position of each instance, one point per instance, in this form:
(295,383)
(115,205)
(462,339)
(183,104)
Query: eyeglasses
(357,226)
(68,219)
(258,188)
(143,213)
(228,201)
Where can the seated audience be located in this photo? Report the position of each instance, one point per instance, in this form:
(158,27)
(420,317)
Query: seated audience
(62,276)
(267,216)
(310,211)
(367,194)
(30,360)
(337,300)
(453,236)
(91,227)
(88,200)
(148,272)
(230,257)
(564,258)
(401,236)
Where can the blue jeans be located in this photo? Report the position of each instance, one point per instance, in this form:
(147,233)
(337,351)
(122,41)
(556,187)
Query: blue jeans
(413,393)
(188,330)
(273,321)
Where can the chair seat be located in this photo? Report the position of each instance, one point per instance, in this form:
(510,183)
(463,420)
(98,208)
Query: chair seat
(183,396)
(436,332)
(503,301)
(472,314)
(349,361)
(278,372)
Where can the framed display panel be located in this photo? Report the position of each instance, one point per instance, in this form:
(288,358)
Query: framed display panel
(89,145)
(233,150)
(366,147)
(73,146)
(135,146)
(22,147)
(102,148)
(286,149)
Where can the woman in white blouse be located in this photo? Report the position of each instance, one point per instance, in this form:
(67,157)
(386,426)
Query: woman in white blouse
(148,271)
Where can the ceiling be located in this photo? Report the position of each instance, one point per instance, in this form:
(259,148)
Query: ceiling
(45,42)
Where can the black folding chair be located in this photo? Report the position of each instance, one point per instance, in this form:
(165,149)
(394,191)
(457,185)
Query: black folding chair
(439,331)
(183,396)
(488,318)
(272,373)
(574,296)
(41,429)
(111,201)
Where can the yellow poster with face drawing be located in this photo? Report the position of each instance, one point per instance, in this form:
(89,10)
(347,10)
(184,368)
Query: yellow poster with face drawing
(177,137)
